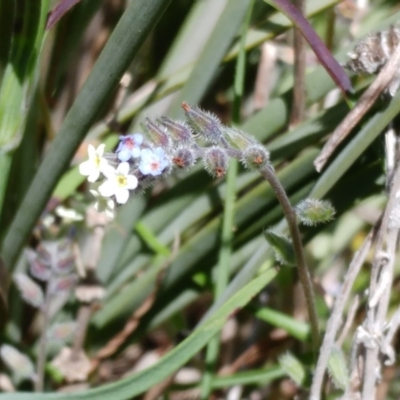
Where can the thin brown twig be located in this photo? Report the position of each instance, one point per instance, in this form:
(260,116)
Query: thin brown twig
(156,391)
(364,104)
(299,90)
(114,343)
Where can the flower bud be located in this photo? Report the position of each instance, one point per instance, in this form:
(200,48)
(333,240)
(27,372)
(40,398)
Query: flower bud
(180,131)
(293,367)
(255,156)
(282,246)
(204,123)
(184,158)
(216,161)
(157,134)
(238,139)
(313,211)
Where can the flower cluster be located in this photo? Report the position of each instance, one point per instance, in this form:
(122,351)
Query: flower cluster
(132,163)
(142,158)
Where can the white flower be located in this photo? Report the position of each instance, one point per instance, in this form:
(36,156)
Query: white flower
(118,183)
(68,214)
(103,204)
(96,163)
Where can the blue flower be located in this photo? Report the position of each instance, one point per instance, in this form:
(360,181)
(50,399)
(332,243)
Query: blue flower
(153,161)
(129,147)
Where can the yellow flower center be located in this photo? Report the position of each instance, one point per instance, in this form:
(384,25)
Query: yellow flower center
(97,161)
(121,180)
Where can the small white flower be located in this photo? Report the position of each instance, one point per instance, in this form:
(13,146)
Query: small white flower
(68,214)
(103,204)
(96,163)
(118,183)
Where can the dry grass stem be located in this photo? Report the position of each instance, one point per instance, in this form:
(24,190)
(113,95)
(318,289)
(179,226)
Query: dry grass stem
(379,295)
(333,324)
(366,101)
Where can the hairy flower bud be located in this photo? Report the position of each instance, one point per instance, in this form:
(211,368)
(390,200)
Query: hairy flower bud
(180,131)
(157,134)
(204,123)
(238,139)
(184,158)
(313,211)
(255,156)
(216,161)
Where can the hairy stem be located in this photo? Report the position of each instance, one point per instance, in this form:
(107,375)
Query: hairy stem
(304,276)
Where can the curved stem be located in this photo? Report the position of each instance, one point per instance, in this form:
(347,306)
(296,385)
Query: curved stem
(304,276)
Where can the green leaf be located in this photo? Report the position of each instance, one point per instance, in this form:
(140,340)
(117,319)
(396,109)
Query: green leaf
(337,367)
(18,83)
(282,246)
(298,329)
(293,367)
(151,240)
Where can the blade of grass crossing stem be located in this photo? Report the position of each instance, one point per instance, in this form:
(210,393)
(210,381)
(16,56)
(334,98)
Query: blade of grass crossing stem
(225,254)
(18,80)
(131,31)
(139,382)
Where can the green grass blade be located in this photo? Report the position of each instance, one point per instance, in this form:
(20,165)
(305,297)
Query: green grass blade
(20,76)
(212,55)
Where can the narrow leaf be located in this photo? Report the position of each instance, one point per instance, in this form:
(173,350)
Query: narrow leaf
(334,69)
(19,363)
(282,246)
(59,11)
(293,367)
(62,331)
(30,291)
(337,367)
